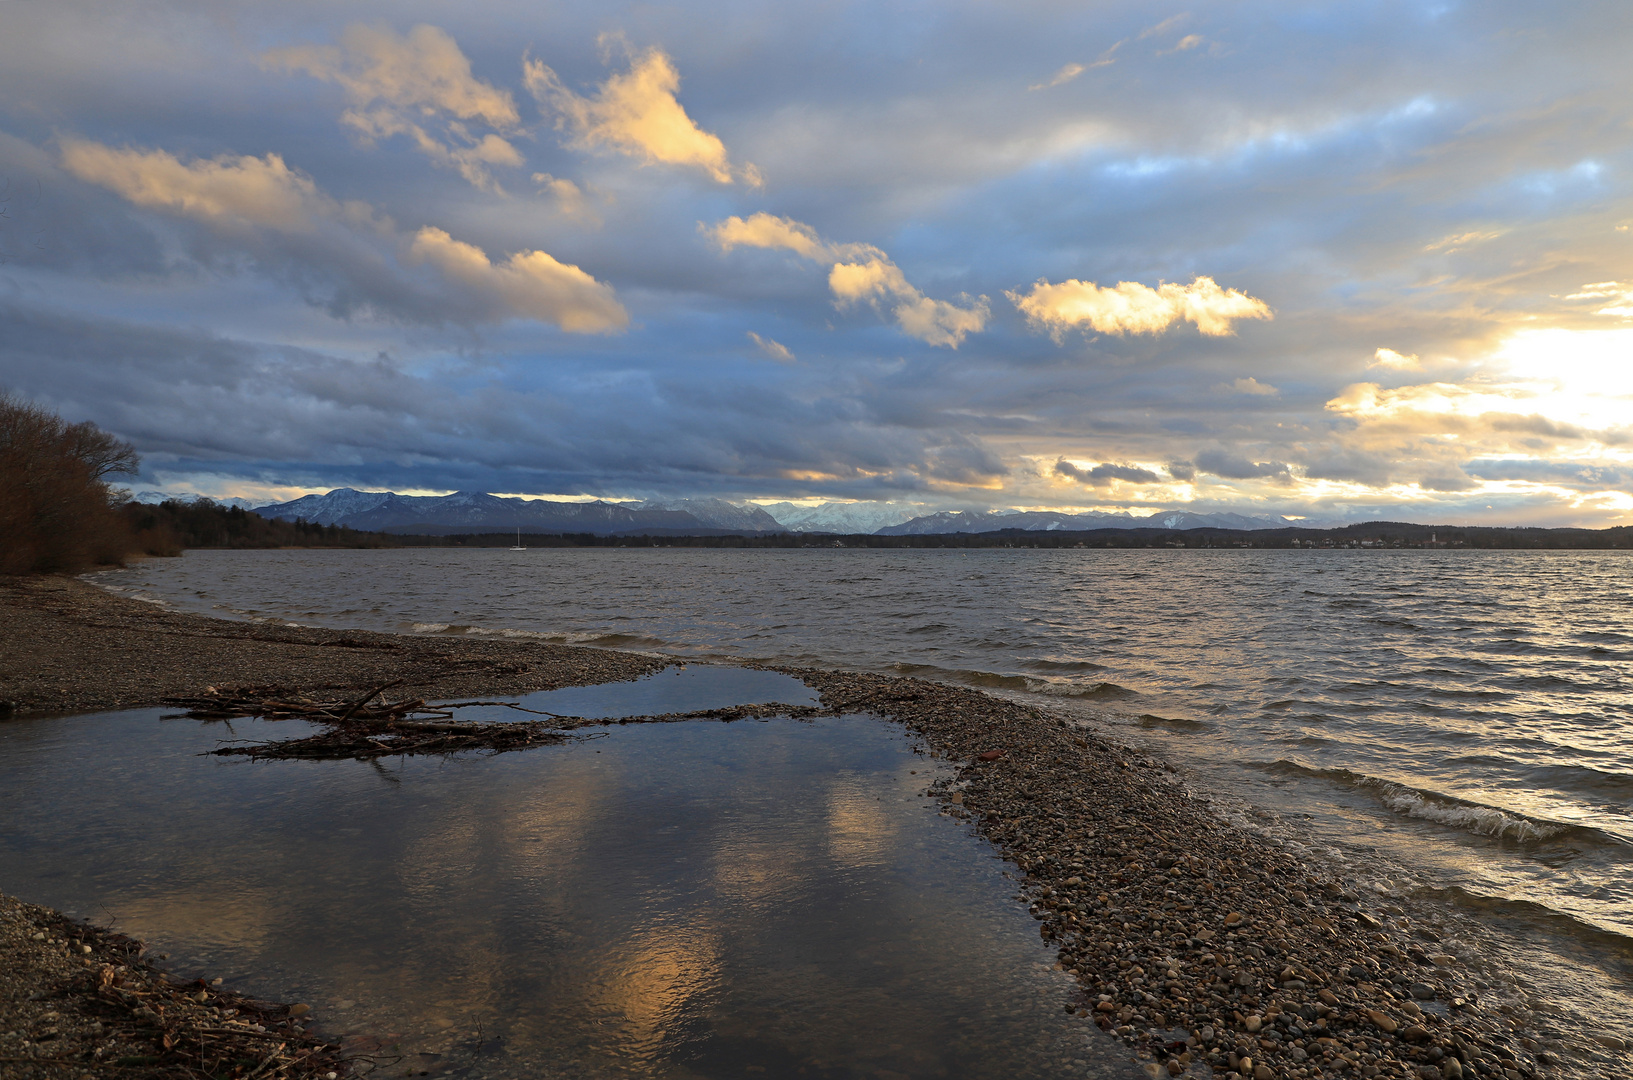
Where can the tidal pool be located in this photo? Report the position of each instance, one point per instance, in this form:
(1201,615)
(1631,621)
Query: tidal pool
(763,898)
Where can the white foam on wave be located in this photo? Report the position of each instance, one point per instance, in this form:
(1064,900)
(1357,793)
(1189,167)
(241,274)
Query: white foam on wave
(1470,817)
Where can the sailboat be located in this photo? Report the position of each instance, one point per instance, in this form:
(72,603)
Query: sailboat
(518,546)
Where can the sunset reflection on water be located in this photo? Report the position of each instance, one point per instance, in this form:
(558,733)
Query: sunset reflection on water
(676,900)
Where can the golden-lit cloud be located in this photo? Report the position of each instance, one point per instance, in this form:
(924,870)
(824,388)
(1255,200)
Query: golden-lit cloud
(1132,308)
(880,282)
(764,230)
(1389,358)
(775,350)
(531,284)
(860,273)
(637,113)
(398,84)
(1066,74)
(1458,241)
(1619,293)
(239,194)
(225,190)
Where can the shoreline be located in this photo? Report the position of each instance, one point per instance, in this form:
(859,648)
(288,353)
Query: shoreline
(1195,942)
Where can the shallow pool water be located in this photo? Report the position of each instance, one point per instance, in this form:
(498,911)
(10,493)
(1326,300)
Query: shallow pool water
(679,688)
(701,899)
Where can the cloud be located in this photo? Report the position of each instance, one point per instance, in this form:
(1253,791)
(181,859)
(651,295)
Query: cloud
(1188,42)
(859,273)
(530,284)
(880,282)
(1236,467)
(1458,241)
(764,230)
(571,202)
(397,84)
(1252,387)
(636,113)
(776,350)
(1071,71)
(244,197)
(1181,470)
(1389,358)
(225,190)
(1581,475)
(1104,474)
(1620,295)
(1163,27)
(1060,78)
(1134,308)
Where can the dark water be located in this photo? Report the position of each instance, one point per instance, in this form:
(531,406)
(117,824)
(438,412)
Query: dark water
(1457,722)
(677,900)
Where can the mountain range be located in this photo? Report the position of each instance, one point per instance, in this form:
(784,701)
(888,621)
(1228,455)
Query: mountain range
(474,511)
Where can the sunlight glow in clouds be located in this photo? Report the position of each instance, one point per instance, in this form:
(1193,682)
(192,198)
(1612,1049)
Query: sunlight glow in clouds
(1620,295)
(1132,308)
(1554,390)
(860,273)
(637,113)
(396,82)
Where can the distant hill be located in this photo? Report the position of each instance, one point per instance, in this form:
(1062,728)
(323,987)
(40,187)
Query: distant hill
(965,521)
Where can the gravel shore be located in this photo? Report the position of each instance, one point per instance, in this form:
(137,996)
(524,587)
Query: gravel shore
(1207,950)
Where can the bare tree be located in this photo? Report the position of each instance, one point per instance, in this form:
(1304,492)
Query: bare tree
(57,510)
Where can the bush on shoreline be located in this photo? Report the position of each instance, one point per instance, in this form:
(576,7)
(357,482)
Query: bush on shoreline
(57,510)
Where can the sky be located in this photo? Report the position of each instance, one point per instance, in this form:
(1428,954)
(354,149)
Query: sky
(1339,261)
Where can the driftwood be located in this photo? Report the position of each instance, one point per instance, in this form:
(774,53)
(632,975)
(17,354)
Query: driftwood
(367,728)
(200,1030)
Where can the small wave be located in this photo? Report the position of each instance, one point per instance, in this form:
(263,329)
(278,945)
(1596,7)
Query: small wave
(992,680)
(1560,922)
(1152,720)
(1105,690)
(596,638)
(1584,778)
(1067,667)
(1461,814)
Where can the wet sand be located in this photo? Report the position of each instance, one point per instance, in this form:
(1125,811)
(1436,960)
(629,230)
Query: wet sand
(1208,949)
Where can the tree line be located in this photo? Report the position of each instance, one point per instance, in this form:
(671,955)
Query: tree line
(61,513)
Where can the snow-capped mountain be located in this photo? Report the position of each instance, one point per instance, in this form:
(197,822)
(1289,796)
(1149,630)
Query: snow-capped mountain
(154,498)
(476,511)
(720,514)
(329,508)
(848,519)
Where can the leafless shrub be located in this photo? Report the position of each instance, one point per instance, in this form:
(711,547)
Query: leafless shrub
(57,510)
